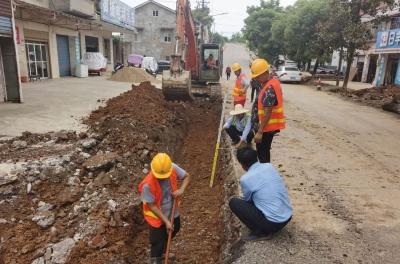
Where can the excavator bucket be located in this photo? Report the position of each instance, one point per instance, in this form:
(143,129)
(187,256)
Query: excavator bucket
(177,87)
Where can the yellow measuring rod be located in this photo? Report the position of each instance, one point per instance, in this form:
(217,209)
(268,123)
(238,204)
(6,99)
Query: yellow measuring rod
(216,152)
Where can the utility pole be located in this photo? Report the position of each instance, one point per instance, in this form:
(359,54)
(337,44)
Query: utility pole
(202,4)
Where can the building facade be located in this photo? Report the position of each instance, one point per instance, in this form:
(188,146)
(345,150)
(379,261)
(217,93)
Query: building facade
(379,64)
(156,30)
(10,88)
(52,36)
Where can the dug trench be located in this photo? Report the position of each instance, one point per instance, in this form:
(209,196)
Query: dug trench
(72,198)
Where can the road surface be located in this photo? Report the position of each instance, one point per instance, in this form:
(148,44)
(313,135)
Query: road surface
(341,162)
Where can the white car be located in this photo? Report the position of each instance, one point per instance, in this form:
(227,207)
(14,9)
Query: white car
(289,74)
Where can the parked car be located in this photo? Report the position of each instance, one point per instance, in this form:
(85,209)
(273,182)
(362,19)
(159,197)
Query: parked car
(289,74)
(326,70)
(135,60)
(163,65)
(150,65)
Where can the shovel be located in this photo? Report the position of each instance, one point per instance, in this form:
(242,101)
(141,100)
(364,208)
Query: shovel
(170,231)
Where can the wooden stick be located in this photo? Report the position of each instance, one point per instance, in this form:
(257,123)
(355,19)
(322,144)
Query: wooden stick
(170,231)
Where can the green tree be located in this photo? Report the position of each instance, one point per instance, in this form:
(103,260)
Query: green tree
(237,37)
(257,30)
(302,41)
(202,16)
(347,29)
(218,38)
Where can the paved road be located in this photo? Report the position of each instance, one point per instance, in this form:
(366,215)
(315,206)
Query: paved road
(341,162)
(52,105)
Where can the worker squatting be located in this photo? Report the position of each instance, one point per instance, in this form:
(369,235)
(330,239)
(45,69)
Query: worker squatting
(265,207)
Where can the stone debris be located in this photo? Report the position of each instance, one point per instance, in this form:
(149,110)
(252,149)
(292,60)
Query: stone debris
(44,219)
(43,207)
(101,162)
(112,205)
(20,144)
(29,188)
(102,179)
(61,251)
(89,143)
(7,178)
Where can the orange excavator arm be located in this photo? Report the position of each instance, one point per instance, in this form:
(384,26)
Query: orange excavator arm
(186,42)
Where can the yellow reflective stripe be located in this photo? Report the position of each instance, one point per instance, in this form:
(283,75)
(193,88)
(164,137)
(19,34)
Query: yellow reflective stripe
(276,121)
(150,213)
(277,110)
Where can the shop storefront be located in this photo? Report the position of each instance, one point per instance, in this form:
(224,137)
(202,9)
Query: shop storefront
(9,81)
(387,47)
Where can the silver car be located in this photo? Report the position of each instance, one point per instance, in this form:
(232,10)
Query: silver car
(289,74)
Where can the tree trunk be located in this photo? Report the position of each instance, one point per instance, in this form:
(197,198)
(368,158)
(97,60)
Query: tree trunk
(350,58)
(340,66)
(315,67)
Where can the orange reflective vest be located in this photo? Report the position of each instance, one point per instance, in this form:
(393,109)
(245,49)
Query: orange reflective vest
(155,189)
(239,92)
(277,119)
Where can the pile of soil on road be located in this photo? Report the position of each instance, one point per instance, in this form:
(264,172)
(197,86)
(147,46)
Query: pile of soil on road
(132,75)
(386,98)
(72,198)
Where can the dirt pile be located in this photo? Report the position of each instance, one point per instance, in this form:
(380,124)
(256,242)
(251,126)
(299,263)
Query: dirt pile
(61,186)
(71,198)
(387,97)
(132,75)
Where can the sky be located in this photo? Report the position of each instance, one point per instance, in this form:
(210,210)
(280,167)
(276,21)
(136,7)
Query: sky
(224,24)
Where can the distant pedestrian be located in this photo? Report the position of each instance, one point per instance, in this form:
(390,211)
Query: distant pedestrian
(265,207)
(228,73)
(271,118)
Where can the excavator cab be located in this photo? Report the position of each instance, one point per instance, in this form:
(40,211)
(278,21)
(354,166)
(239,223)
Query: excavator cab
(210,63)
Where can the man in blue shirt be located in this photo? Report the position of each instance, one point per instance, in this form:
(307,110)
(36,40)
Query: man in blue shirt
(265,206)
(238,126)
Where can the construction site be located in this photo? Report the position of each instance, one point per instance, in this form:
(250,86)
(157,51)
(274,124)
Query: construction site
(76,156)
(71,196)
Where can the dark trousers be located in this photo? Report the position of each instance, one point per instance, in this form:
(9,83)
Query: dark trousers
(253,218)
(235,135)
(264,148)
(159,238)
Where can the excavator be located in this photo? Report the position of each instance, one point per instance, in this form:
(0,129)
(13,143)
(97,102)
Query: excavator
(195,68)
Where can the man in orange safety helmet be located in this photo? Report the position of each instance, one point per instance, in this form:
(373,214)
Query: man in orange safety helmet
(270,115)
(241,85)
(158,192)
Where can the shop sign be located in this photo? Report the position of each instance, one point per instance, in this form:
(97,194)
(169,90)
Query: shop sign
(118,13)
(388,39)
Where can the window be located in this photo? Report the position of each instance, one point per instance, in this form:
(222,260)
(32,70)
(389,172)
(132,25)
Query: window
(167,58)
(395,23)
(37,59)
(213,52)
(155,13)
(167,38)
